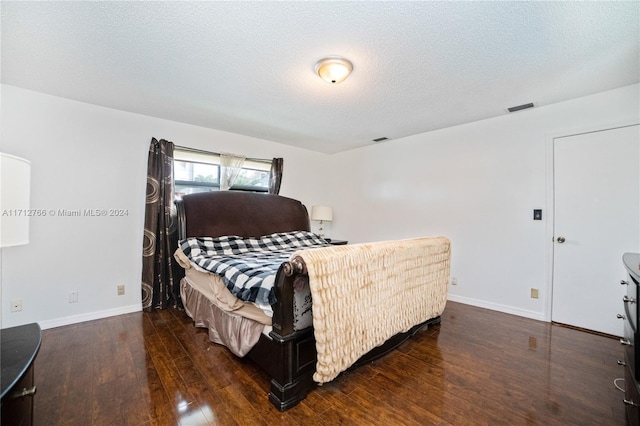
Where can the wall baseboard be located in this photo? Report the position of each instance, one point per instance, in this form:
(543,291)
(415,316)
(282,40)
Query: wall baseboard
(90,316)
(75,319)
(498,307)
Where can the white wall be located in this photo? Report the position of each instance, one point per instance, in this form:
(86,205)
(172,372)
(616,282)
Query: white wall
(476,184)
(88,157)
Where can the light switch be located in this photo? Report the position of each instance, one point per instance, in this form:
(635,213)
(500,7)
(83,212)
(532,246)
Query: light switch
(537,214)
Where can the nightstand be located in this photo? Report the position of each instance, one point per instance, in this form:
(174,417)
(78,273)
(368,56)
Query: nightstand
(336,242)
(20,346)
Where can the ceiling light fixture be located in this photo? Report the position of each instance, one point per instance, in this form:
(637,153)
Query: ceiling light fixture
(333,70)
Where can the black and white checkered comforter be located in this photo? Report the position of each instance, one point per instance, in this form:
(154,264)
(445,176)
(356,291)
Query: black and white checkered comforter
(248,265)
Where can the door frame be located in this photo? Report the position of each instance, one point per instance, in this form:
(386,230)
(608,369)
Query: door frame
(550,246)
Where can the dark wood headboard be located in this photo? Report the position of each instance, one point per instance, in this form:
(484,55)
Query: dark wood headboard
(246,214)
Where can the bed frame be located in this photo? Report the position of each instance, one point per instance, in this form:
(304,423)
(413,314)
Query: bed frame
(288,356)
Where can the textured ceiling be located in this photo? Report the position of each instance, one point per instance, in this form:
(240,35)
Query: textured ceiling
(247,67)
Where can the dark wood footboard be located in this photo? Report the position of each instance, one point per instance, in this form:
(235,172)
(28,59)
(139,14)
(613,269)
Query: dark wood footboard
(289,357)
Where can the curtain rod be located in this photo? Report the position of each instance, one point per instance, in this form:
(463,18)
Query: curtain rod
(201,151)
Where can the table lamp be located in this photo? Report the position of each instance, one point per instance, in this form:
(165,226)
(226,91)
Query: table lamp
(321,213)
(15,179)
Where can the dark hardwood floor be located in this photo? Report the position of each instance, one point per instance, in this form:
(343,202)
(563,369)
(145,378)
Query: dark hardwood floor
(478,367)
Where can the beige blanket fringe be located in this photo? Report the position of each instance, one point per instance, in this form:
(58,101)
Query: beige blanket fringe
(365,293)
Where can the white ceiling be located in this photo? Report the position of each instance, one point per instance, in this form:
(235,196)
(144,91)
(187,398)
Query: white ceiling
(247,67)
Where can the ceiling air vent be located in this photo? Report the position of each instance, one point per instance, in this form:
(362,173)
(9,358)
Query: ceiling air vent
(520,107)
(384,138)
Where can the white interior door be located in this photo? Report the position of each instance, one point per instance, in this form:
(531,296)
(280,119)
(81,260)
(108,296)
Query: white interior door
(596,220)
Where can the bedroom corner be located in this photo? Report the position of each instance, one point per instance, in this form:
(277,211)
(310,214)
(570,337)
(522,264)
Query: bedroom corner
(86,159)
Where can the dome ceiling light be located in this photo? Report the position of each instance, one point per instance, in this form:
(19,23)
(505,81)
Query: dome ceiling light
(333,70)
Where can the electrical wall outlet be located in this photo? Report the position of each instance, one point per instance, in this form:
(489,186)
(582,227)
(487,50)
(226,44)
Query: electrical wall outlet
(16,305)
(121,290)
(454,281)
(534,293)
(73,297)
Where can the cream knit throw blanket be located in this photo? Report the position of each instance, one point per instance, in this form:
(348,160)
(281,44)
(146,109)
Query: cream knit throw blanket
(365,293)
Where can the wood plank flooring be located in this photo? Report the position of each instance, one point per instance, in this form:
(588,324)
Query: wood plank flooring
(478,367)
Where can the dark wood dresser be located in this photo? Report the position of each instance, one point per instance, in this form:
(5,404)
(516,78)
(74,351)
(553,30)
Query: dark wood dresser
(20,346)
(631,338)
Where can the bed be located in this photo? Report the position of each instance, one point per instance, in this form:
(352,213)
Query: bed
(326,312)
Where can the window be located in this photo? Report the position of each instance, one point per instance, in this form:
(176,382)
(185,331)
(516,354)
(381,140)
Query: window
(196,171)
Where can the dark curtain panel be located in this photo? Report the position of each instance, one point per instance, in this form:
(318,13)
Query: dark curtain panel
(159,287)
(275,176)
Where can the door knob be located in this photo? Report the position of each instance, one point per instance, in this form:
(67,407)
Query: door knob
(560,240)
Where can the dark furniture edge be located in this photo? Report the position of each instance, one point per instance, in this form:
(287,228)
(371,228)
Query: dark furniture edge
(8,335)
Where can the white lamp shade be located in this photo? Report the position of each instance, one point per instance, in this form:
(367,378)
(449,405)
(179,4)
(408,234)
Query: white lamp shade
(333,70)
(15,176)
(322,213)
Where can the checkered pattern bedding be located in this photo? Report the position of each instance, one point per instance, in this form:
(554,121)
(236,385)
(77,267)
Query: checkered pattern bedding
(248,265)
